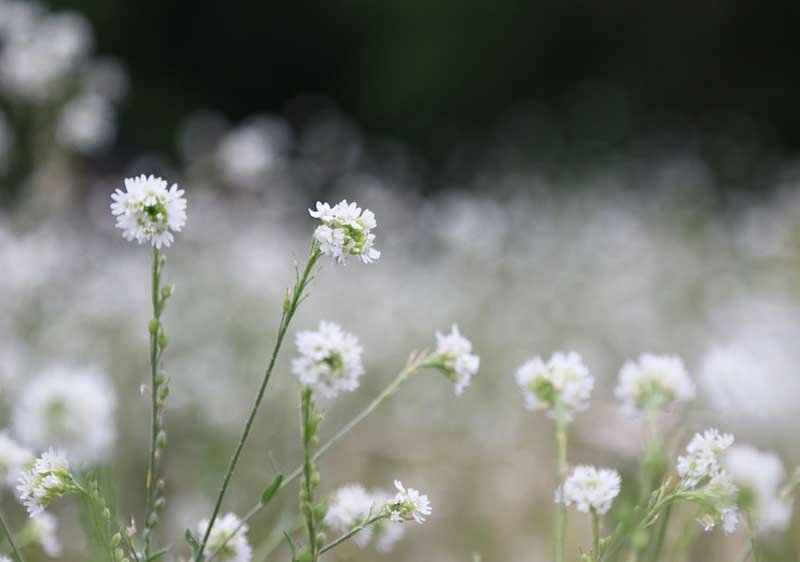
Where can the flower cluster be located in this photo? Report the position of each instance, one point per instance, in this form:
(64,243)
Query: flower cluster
(562,386)
(704,457)
(149,212)
(590,488)
(759,476)
(14,458)
(352,505)
(345,231)
(228,531)
(70,409)
(454,351)
(330,360)
(48,479)
(408,504)
(654,382)
(705,482)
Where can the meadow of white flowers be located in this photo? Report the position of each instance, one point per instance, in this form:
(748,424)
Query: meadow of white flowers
(219,366)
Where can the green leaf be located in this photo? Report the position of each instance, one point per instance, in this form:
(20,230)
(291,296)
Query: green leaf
(191,540)
(271,489)
(158,554)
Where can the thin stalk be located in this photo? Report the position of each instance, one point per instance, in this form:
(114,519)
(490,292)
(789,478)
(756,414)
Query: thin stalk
(309,477)
(154,358)
(595,535)
(291,305)
(746,552)
(658,544)
(351,532)
(561,473)
(415,362)
(14,549)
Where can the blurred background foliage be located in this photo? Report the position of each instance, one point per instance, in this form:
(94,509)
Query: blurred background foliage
(432,74)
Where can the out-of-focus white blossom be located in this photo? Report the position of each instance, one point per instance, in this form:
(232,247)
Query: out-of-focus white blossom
(250,152)
(454,351)
(654,382)
(352,505)
(409,504)
(590,488)
(330,360)
(87,123)
(227,531)
(68,408)
(106,77)
(759,476)
(149,212)
(14,458)
(36,62)
(704,456)
(49,478)
(44,529)
(345,231)
(562,385)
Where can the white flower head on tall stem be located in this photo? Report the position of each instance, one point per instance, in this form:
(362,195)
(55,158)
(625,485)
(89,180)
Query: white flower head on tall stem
(704,457)
(562,385)
(408,504)
(49,478)
(352,505)
(759,476)
(14,458)
(69,408)
(149,212)
(590,488)
(44,529)
(228,530)
(457,361)
(654,382)
(345,231)
(330,360)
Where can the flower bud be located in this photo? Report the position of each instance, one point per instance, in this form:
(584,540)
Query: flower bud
(153,326)
(163,340)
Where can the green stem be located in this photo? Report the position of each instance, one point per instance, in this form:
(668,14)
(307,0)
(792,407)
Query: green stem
(414,363)
(352,532)
(595,535)
(654,552)
(290,307)
(154,357)
(561,473)
(14,549)
(307,507)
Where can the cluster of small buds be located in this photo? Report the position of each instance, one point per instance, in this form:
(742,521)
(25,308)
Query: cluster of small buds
(313,512)
(345,231)
(705,482)
(228,539)
(408,504)
(590,489)
(352,506)
(49,478)
(455,359)
(330,360)
(654,383)
(562,385)
(149,212)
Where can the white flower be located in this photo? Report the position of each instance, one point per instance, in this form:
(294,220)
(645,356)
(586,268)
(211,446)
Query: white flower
(704,457)
(87,123)
(562,385)
(345,231)
(14,458)
(718,498)
(654,382)
(330,360)
(44,528)
(70,409)
(352,505)
(4,558)
(236,549)
(49,478)
(409,504)
(148,212)
(759,476)
(458,363)
(590,488)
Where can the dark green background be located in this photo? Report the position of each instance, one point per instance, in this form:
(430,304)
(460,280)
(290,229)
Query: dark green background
(434,72)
